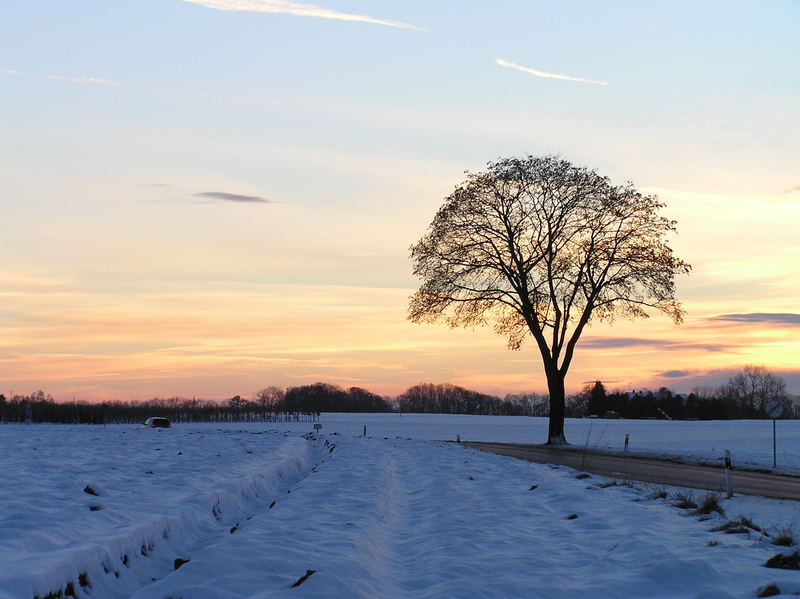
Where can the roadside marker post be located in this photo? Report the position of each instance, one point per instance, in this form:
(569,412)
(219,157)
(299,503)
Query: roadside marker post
(627,438)
(728,474)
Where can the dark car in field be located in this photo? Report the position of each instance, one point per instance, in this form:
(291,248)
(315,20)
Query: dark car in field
(157,422)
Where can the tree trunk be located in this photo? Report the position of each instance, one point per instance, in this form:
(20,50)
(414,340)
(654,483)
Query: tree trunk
(555,385)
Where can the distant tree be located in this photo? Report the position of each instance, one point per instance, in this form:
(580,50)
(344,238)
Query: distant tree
(794,407)
(530,404)
(451,399)
(596,398)
(324,397)
(540,247)
(577,406)
(669,405)
(641,405)
(753,388)
(270,396)
(702,392)
(236,402)
(366,401)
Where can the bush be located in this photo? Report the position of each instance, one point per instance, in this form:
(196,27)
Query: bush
(684,501)
(741,526)
(709,504)
(784,562)
(616,483)
(784,537)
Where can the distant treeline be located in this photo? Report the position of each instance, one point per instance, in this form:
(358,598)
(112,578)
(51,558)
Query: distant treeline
(39,407)
(322,397)
(749,394)
(428,398)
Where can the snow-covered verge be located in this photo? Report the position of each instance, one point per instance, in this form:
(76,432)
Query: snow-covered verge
(750,441)
(267,513)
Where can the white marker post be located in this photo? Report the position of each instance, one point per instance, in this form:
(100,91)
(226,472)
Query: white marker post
(728,474)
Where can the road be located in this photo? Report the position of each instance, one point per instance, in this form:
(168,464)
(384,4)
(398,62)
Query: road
(652,470)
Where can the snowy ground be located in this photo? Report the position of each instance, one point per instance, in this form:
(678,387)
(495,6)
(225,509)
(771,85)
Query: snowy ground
(105,512)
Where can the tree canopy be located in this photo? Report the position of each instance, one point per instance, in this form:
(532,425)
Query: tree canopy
(539,247)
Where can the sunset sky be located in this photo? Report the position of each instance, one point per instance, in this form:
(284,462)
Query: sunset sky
(206,197)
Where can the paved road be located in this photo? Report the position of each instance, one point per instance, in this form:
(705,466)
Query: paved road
(652,470)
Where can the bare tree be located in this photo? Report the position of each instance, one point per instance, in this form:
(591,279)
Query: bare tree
(753,388)
(538,246)
(270,396)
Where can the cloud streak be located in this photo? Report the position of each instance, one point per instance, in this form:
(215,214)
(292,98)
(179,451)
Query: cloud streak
(630,342)
(790,190)
(761,317)
(98,80)
(298,9)
(233,197)
(10,72)
(675,374)
(536,73)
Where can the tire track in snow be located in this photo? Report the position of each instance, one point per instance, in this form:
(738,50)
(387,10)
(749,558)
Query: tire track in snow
(383,518)
(344,522)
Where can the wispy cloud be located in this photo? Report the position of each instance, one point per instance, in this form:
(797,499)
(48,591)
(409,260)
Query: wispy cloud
(510,65)
(614,342)
(675,374)
(664,344)
(233,197)
(793,189)
(10,72)
(80,79)
(156,185)
(761,317)
(299,9)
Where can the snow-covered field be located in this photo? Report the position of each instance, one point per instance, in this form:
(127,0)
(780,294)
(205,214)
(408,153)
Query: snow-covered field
(750,441)
(109,512)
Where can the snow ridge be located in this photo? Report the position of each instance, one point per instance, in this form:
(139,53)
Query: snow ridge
(116,565)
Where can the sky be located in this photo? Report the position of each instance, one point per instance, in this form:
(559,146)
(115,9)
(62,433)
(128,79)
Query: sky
(206,197)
